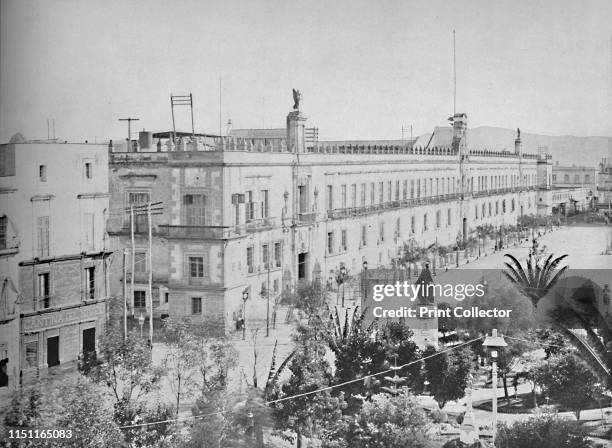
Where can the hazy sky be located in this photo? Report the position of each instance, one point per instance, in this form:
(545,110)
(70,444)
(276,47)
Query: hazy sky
(365,68)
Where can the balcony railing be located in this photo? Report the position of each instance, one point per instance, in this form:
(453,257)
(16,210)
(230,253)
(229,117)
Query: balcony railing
(307,217)
(215,232)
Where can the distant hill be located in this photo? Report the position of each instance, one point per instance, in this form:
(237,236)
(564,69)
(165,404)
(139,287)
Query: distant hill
(568,150)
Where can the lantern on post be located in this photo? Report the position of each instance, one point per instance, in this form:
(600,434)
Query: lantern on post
(493,344)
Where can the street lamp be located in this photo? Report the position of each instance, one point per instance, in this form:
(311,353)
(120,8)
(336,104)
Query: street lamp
(141,321)
(245,297)
(364,276)
(340,278)
(493,343)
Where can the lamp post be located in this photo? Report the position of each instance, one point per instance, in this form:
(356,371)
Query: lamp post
(245,297)
(364,280)
(340,279)
(141,321)
(493,343)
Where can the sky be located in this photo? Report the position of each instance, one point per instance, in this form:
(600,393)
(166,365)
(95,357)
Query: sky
(365,68)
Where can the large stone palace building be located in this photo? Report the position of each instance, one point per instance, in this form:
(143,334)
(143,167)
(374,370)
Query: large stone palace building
(259,212)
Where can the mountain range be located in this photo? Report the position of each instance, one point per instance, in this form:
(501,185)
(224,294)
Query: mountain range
(565,149)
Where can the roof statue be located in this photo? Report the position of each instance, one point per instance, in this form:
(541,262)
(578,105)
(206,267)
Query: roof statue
(297,96)
(518,133)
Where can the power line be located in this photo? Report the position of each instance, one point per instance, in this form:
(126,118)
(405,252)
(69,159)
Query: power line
(334,386)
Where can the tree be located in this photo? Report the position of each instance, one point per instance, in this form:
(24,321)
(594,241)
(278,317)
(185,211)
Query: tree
(181,358)
(125,366)
(448,373)
(307,415)
(76,404)
(538,278)
(544,432)
(384,422)
(82,407)
(567,380)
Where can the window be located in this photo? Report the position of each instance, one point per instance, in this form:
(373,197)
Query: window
(31,353)
(249,259)
(476,212)
(140,262)
(265,203)
(566,178)
(277,254)
(275,285)
(166,297)
(489,209)
(381,232)
(250,206)
(448,217)
(196,305)
(42,173)
(354,195)
(265,255)
(372,193)
(90,283)
(389,191)
(513,205)
(587,178)
(140,299)
(397,190)
(141,224)
(196,267)
(88,172)
(42,232)
(425,222)
(418,188)
(343,196)
(412,224)
(381,192)
(504,206)
(424,188)
(412,189)
(438,219)
(195,208)
(576,179)
(44,296)
(343,240)
(330,198)
(3,229)
(398,227)
(364,236)
(497,207)
(405,190)
(483,210)
(88,231)
(363,195)
(330,242)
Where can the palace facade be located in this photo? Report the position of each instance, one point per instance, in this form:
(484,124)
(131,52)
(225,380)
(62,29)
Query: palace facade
(255,214)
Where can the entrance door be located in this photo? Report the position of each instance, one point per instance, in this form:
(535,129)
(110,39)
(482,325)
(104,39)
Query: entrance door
(53,351)
(302,266)
(89,341)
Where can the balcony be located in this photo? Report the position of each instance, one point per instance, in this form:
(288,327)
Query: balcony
(307,217)
(214,232)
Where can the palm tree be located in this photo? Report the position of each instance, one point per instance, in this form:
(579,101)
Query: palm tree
(538,280)
(571,304)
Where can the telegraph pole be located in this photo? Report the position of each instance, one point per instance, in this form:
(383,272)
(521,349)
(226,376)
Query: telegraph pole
(150,276)
(124,294)
(129,121)
(133,255)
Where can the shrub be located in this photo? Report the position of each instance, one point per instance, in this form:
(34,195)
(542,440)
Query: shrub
(548,431)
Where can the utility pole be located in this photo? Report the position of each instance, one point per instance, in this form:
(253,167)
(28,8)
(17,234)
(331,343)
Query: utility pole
(124,294)
(129,137)
(454,76)
(133,255)
(150,276)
